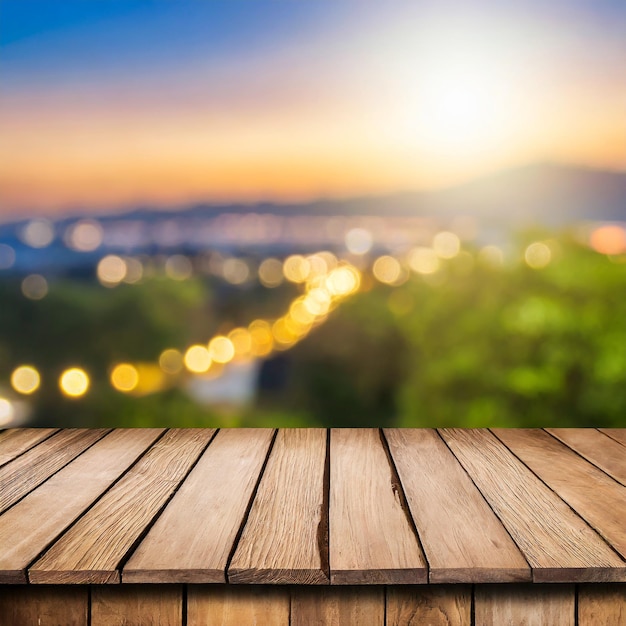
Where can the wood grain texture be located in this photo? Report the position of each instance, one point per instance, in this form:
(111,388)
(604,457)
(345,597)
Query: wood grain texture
(524,605)
(617,434)
(285,536)
(463,539)
(23,605)
(603,605)
(595,496)
(371,540)
(137,605)
(597,448)
(193,538)
(32,524)
(29,470)
(557,543)
(434,605)
(92,549)
(338,606)
(234,605)
(15,441)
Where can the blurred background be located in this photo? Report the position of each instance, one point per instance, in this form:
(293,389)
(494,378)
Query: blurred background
(279,213)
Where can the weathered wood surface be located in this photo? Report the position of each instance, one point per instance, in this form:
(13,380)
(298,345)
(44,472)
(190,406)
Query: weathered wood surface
(590,492)
(602,604)
(92,549)
(235,605)
(371,538)
(256,506)
(285,537)
(24,473)
(15,441)
(435,605)
(463,539)
(525,605)
(192,540)
(130,605)
(53,605)
(337,606)
(558,544)
(598,448)
(33,523)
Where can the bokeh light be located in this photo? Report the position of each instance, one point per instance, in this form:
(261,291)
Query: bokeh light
(241,340)
(7,256)
(262,338)
(221,349)
(84,236)
(387,270)
(423,260)
(235,271)
(124,377)
(134,270)
(38,233)
(7,412)
(111,270)
(271,273)
(197,359)
(359,241)
(74,382)
(446,245)
(296,268)
(178,267)
(25,379)
(491,256)
(537,255)
(343,280)
(35,287)
(609,239)
(171,361)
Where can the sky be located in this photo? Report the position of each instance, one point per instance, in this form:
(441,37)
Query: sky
(106,104)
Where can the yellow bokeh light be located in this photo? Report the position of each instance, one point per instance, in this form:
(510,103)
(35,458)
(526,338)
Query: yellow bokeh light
(343,280)
(387,270)
(300,312)
(171,361)
(446,245)
(262,338)
(423,260)
(317,301)
(492,256)
(296,268)
(283,335)
(74,382)
(197,359)
(241,340)
(7,412)
(235,271)
(271,273)
(537,255)
(221,349)
(359,241)
(124,377)
(25,379)
(84,236)
(317,266)
(111,270)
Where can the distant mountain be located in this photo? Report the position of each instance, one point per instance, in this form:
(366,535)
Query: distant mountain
(545,193)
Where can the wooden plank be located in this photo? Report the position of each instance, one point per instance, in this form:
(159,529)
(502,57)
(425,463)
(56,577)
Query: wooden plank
(30,469)
(92,549)
(602,604)
(597,448)
(234,605)
(618,434)
(136,605)
(557,543)
(463,539)
(524,605)
(435,605)
(337,606)
(23,605)
(32,524)
(15,441)
(371,540)
(285,538)
(192,540)
(595,496)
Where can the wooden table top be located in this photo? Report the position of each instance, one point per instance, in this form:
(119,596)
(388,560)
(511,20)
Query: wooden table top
(311,506)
